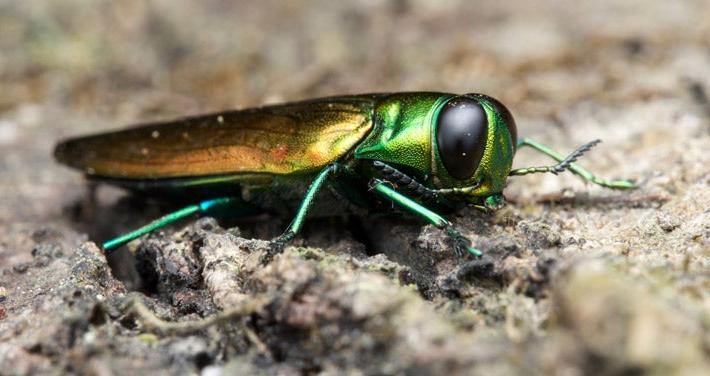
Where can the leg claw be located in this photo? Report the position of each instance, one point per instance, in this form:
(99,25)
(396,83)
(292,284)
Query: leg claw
(277,246)
(462,245)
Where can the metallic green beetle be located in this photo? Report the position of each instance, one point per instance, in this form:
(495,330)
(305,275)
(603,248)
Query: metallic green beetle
(418,150)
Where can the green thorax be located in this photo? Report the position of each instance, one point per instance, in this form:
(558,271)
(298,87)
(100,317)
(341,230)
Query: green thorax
(401,135)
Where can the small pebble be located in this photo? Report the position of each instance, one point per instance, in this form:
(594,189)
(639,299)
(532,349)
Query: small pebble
(667,222)
(21,268)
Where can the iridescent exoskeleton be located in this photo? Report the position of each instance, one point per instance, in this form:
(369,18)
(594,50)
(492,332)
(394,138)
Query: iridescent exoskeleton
(422,151)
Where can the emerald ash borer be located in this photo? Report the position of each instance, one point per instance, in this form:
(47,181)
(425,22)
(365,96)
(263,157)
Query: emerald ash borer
(423,152)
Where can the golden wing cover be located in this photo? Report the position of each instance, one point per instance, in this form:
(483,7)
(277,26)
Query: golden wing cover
(293,138)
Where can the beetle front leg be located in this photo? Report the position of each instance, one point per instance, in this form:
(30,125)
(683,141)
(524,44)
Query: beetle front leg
(461,243)
(568,163)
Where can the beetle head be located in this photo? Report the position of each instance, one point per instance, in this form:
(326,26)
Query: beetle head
(473,139)
(462,146)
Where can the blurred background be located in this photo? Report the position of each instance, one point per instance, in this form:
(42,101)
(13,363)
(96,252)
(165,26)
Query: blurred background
(635,73)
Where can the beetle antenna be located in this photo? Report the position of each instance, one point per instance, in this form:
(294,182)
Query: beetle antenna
(560,167)
(392,174)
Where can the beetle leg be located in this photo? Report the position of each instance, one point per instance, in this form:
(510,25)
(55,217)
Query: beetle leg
(279,243)
(461,243)
(202,207)
(568,163)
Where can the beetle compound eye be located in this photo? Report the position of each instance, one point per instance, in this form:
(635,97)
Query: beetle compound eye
(507,118)
(461,133)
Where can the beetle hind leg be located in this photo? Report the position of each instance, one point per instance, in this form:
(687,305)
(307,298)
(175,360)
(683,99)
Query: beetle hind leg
(201,208)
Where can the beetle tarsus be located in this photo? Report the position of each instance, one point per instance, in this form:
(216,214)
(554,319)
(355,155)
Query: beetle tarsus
(277,246)
(462,245)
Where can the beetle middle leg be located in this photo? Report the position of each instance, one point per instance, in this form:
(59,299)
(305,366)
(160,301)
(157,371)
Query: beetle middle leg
(297,223)
(461,243)
(567,162)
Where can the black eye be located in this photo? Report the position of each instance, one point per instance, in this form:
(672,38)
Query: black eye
(507,118)
(461,133)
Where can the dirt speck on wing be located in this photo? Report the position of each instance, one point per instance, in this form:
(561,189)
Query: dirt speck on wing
(575,279)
